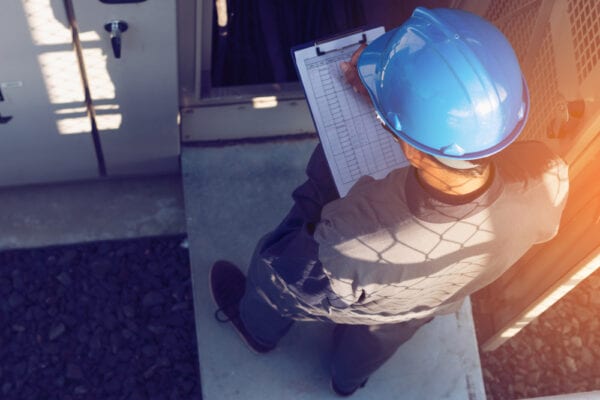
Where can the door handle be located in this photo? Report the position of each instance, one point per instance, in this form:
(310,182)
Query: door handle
(116,28)
(566,119)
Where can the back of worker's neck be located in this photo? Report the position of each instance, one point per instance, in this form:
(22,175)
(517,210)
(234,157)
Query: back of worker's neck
(453,184)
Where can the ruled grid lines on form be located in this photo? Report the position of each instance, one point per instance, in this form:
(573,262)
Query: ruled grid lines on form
(354,141)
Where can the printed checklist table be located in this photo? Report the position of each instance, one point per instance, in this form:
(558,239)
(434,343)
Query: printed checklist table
(354,141)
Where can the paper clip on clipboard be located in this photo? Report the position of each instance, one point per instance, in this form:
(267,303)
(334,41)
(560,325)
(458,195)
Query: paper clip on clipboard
(321,45)
(337,42)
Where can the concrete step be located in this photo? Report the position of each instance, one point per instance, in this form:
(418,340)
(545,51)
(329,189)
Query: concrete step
(235,194)
(76,212)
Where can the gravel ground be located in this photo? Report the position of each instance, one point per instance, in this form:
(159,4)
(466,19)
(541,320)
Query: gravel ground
(107,320)
(114,320)
(557,353)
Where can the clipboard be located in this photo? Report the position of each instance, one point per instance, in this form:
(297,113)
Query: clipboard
(354,142)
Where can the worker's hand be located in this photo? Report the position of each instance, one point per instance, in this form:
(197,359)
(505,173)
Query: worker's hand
(351,73)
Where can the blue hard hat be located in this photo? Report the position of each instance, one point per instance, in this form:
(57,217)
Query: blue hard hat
(448,83)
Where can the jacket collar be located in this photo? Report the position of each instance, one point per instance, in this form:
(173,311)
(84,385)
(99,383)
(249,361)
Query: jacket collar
(434,206)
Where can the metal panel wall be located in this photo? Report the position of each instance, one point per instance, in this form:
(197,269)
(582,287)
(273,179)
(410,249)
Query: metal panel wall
(558,45)
(48,137)
(135,97)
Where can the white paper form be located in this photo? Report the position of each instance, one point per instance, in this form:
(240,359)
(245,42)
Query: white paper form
(354,141)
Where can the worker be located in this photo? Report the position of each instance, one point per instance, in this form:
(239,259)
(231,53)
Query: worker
(394,253)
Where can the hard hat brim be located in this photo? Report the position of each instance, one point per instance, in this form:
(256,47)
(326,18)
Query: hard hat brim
(368,63)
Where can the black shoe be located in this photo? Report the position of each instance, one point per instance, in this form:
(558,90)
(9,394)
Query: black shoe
(343,393)
(227,287)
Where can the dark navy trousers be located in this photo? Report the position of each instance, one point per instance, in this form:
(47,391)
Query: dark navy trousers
(292,254)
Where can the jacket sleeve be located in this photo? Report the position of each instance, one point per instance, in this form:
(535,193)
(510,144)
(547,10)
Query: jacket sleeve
(318,190)
(290,250)
(555,185)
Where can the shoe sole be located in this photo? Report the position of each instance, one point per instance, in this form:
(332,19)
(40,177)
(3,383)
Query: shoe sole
(345,395)
(335,391)
(240,334)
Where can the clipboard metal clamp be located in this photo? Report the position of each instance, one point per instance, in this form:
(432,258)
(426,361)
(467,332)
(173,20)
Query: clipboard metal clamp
(318,44)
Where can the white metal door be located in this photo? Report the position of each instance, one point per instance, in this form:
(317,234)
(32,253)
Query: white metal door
(45,132)
(135,97)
